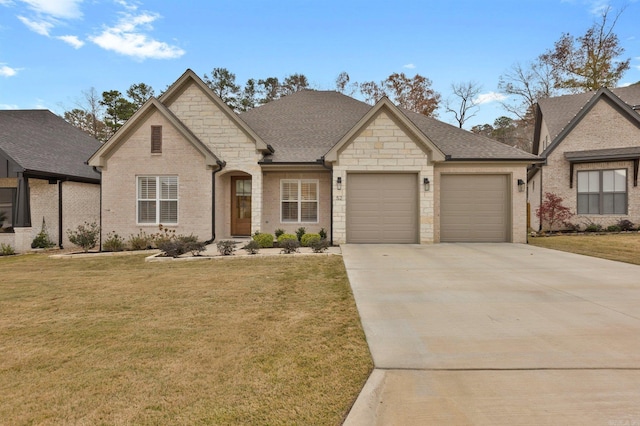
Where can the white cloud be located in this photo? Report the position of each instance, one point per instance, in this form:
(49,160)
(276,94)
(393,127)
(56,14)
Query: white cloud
(64,9)
(9,106)
(409,66)
(41,27)
(485,98)
(72,40)
(6,71)
(128,38)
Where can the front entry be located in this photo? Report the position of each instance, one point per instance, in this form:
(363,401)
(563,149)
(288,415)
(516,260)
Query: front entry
(241,205)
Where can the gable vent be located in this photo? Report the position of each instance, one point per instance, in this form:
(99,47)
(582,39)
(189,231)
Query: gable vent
(156,139)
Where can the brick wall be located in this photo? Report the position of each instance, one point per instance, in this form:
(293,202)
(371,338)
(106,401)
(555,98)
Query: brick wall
(80,204)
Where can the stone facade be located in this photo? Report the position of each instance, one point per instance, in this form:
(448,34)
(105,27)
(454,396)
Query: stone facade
(602,127)
(382,146)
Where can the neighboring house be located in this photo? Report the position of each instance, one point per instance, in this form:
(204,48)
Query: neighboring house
(313,159)
(44,176)
(591,144)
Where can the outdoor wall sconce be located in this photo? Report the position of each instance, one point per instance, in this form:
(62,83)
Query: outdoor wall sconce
(520,185)
(339,183)
(426,184)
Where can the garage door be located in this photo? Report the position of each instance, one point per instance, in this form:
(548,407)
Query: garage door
(382,208)
(474,208)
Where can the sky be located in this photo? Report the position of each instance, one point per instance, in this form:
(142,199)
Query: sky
(51,51)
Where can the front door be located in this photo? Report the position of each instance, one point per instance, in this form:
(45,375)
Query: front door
(241,205)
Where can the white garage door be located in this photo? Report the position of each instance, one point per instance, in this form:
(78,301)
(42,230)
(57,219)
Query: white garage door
(382,208)
(474,208)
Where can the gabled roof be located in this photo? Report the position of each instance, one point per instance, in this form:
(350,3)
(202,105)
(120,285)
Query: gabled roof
(44,144)
(562,113)
(153,104)
(385,104)
(190,77)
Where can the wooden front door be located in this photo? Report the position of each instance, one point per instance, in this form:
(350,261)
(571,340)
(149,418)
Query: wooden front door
(241,205)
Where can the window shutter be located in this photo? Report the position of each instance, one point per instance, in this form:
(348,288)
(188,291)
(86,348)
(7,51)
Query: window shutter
(156,139)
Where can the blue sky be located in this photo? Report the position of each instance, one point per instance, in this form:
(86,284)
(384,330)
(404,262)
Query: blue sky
(53,50)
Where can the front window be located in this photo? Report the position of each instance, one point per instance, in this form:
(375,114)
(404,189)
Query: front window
(299,200)
(157,199)
(602,192)
(7,196)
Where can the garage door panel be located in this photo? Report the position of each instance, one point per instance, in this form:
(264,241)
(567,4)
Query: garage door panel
(474,208)
(382,208)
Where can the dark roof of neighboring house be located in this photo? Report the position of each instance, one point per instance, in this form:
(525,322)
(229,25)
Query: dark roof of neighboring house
(303,127)
(45,144)
(559,111)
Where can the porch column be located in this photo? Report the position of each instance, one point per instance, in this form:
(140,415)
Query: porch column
(22,217)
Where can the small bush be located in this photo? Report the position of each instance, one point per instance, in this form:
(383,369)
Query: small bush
(175,246)
(279,232)
(307,239)
(264,240)
(163,235)
(140,241)
(114,242)
(552,212)
(319,246)
(593,227)
(6,250)
(289,245)
(300,232)
(253,247)
(226,247)
(191,244)
(625,225)
(42,240)
(285,237)
(85,236)
(613,228)
(323,233)
(571,227)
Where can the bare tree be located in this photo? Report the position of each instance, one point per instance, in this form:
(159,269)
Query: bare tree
(343,86)
(527,83)
(465,104)
(88,115)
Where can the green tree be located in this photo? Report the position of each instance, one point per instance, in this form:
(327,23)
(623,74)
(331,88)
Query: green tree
(268,89)
(223,83)
(588,62)
(139,94)
(248,99)
(293,83)
(118,109)
(87,122)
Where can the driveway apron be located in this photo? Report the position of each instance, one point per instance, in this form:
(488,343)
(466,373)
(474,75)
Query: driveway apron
(496,334)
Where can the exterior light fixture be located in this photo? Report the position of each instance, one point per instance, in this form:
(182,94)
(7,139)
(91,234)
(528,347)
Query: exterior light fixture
(520,185)
(426,184)
(339,183)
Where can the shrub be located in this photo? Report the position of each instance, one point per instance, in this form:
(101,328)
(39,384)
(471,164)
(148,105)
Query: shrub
(226,247)
(42,240)
(191,244)
(323,233)
(552,212)
(85,236)
(319,246)
(140,241)
(572,227)
(593,227)
(613,228)
(285,237)
(253,247)
(289,245)
(625,225)
(263,240)
(278,232)
(300,232)
(6,250)
(307,239)
(114,242)
(177,245)
(162,236)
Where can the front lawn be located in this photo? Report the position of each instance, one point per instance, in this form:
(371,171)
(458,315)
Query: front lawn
(620,247)
(115,340)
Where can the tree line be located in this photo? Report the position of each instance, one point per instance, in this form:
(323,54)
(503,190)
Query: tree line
(574,64)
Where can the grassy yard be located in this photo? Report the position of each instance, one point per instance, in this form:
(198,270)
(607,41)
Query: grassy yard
(115,340)
(620,247)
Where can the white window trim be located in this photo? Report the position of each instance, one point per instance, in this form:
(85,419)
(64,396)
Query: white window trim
(299,200)
(158,199)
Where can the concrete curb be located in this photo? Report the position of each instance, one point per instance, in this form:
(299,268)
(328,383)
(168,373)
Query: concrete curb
(365,410)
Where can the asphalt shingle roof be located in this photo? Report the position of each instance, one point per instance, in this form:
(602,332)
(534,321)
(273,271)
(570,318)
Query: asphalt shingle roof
(303,127)
(40,141)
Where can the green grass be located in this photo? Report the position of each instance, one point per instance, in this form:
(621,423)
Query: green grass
(620,247)
(115,340)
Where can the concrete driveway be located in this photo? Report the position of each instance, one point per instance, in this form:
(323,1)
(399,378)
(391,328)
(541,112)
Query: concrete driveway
(496,334)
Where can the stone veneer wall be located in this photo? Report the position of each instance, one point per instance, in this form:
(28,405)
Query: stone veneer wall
(80,204)
(382,146)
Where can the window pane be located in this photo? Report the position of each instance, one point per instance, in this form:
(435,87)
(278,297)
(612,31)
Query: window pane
(289,191)
(289,211)
(146,188)
(146,212)
(607,181)
(594,204)
(168,212)
(620,180)
(169,188)
(594,181)
(583,182)
(620,203)
(607,203)
(309,191)
(583,203)
(309,212)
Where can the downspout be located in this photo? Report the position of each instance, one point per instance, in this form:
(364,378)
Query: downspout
(321,161)
(95,169)
(60,224)
(540,198)
(221,165)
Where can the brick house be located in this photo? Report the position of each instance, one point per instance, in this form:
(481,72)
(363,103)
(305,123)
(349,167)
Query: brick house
(591,146)
(313,159)
(44,176)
